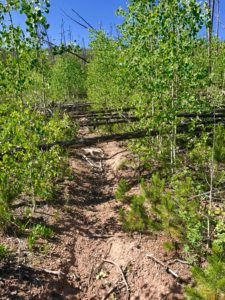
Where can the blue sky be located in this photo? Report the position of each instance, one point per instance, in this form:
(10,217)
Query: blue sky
(99,13)
(96,12)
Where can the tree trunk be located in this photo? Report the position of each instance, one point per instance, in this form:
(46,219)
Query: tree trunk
(211,7)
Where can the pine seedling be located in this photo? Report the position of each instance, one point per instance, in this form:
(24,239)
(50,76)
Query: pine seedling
(136,218)
(210,281)
(122,188)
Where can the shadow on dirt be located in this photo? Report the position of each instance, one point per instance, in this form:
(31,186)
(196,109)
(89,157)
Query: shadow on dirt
(17,280)
(175,292)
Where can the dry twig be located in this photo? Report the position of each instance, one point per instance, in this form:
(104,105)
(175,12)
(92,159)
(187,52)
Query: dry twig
(123,276)
(90,162)
(167,268)
(58,273)
(170,262)
(110,157)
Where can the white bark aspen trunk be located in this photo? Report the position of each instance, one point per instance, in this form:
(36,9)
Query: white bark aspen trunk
(212,169)
(211,7)
(217,26)
(173,135)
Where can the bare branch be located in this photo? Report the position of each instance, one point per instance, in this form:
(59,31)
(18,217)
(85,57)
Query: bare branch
(83,19)
(75,21)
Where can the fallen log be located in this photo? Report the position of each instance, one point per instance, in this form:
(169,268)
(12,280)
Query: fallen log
(218,112)
(73,106)
(109,117)
(103,111)
(89,114)
(98,139)
(135,119)
(109,122)
(101,116)
(181,129)
(201,115)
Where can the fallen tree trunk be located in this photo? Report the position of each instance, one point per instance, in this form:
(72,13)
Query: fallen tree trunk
(101,116)
(102,111)
(75,106)
(220,114)
(181,129)
(109,122)
(135,119)
(98,139)
(112,113)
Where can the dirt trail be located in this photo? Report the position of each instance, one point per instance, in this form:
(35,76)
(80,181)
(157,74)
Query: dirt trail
(100,237)
(95,257)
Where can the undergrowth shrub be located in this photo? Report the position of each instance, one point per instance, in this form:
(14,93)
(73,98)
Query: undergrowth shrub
(4,251)
(5,215)
(219,148)
(24,167)
(209,280)
(169,209)
(220,230)
(175,209)
(38,231)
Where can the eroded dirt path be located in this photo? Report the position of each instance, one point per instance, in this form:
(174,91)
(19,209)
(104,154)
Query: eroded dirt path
(95,258)
(101,245)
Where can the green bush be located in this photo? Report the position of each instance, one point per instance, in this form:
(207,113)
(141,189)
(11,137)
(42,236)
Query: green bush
(24,167)
(106,86)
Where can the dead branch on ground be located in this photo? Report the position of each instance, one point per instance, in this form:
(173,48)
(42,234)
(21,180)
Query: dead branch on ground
(173,261)
(123,276)
(167,268)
